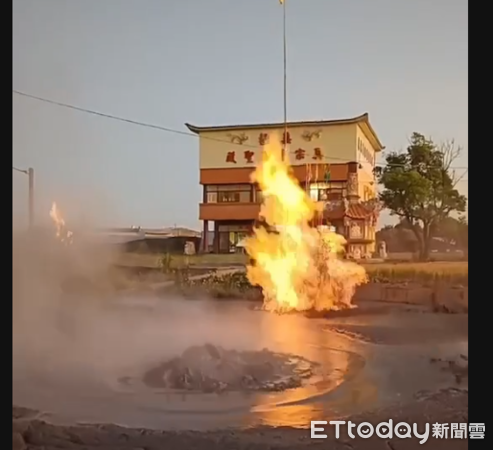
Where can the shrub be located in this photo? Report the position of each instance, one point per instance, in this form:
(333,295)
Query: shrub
(231,286)
(165,262)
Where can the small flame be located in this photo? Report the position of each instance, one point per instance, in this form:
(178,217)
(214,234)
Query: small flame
(298,266)
(62,233)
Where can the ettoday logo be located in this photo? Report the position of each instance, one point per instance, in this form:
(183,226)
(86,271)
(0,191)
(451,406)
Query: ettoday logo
(365,430)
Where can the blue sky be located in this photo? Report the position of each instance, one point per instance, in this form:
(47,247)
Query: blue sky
(214,62)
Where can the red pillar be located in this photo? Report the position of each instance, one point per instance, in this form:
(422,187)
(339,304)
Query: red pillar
(205,239)
(216,237)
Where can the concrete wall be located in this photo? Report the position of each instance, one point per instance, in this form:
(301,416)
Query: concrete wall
(366,158)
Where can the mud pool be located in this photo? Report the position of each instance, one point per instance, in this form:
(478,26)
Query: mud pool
(97,370)
(212,368)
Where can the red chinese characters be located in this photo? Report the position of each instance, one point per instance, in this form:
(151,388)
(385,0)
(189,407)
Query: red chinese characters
(286,138)
(263,138)
(317,154)
(231,157)
(248,154)
(299,154)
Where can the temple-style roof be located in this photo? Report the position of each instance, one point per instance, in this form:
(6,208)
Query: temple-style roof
(356,211)
(363,121)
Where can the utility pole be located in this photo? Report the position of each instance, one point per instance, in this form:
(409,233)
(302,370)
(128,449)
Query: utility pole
(30,174)
(30,202)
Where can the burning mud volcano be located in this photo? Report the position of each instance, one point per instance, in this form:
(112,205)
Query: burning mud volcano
(296,260)
(209,368)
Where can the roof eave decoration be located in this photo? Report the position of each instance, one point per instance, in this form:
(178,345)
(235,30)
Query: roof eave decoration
(362,120)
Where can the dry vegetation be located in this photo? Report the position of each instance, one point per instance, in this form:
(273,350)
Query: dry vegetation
(450,272)
(453,272)
(153,260)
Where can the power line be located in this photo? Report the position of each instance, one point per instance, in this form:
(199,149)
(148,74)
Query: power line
(97,113)
(161,128)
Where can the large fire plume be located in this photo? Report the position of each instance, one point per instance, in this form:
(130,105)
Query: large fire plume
(298,267)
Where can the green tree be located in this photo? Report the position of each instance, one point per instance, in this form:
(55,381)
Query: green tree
(455,231)
(399,238)
(419,187)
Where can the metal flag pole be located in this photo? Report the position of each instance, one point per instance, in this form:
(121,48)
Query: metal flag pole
(283,3)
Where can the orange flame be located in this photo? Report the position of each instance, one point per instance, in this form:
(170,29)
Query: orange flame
(62,233)
(298,267)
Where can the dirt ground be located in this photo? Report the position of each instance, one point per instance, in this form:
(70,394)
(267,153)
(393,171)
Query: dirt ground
(446,406)
(31,430)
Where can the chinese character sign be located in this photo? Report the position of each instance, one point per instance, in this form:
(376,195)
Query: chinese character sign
(231,157)
(248,154)
(317,154)
(245,157)
(402,430)
(248,157)
(286,138)
(299,154)
(263,138)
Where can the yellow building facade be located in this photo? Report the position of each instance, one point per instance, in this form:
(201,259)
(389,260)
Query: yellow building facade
(346,149)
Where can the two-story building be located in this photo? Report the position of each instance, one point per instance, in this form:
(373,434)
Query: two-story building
(333,161)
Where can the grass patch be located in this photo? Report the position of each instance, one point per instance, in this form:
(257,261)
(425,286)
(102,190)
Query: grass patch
(227,286)
(450,272)
(455,273)
(178,261)
(234,259)
(236,285)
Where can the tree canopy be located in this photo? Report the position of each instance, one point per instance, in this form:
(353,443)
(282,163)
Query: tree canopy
(419,186)
(455,231)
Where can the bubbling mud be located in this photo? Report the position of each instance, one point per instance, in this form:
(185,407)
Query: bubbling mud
(212,368)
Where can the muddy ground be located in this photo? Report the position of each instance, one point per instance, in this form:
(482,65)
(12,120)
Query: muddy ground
(406,350)
(446,406)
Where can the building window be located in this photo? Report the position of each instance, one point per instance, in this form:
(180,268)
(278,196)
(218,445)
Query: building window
(229,240)
(334,195)
(328,195)
(230,236)
(229,193)
(233,197)
(327,191)
(259,196)
(228,187)
(314,194)
(331,185)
